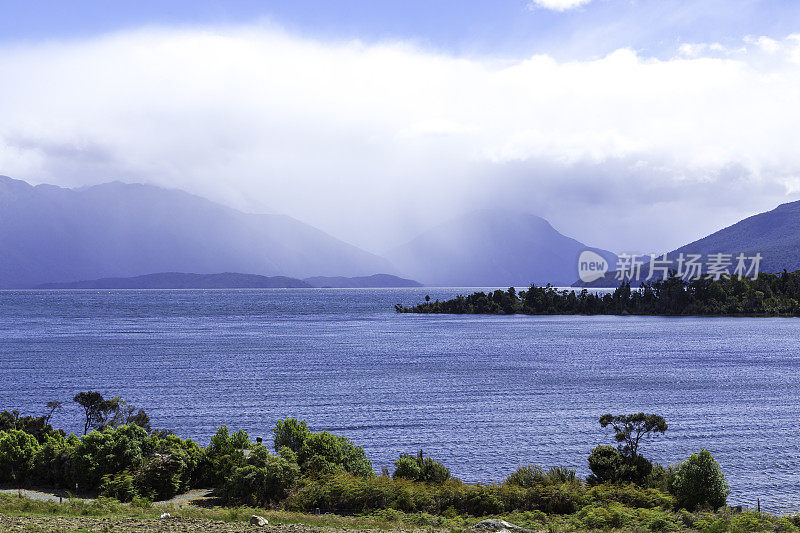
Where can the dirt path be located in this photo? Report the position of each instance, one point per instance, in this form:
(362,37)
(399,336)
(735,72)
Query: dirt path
(39,496)
(187,497)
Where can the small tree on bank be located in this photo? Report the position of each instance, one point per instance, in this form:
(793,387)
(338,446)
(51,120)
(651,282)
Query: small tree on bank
(700,481)
(630,429)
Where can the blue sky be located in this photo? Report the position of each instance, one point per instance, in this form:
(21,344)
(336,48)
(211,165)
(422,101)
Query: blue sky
(632,125)
(501,28)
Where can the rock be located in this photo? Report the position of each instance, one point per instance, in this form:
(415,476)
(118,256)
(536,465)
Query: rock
(495,525)
(165,515)
(256,520)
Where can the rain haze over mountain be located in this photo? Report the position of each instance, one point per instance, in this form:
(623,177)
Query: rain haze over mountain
(376,122)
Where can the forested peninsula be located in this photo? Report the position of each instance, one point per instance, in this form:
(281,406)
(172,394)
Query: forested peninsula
(767,295)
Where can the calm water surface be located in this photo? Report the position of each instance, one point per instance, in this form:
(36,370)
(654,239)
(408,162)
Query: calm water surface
(482,393)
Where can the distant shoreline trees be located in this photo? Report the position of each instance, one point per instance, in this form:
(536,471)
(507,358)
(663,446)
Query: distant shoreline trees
(769,295)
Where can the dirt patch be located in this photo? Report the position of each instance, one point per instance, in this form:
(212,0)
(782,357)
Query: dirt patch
(70,524)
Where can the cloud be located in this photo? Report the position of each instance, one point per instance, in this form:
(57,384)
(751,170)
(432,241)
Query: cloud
(557,5)
(339,133)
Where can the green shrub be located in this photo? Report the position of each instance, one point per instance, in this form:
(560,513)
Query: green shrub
(265,480)
(160,477)
(108,452)
(700,481)
(324,453)
(609,464)
(630,495)
(561,474)
(420,468)
(528,476)
(224,454)
(189,456)
(290,433)
(119,486)
(53,462)
(661,478)
(17,451)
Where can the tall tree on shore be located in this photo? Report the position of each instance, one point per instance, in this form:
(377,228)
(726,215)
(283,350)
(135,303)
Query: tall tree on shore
(98,411)
(630,429)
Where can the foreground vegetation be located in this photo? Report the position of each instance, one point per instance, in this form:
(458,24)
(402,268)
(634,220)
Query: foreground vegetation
(107,514)
(769,295)
(318,473)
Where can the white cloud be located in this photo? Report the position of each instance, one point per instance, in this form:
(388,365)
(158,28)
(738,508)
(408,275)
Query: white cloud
(558,5)
(336,133)
(766,44)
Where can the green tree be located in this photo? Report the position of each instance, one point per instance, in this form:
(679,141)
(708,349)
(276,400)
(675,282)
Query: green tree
(17,451)
(52,407)
(630,429)
(109,452)
(97,410)
(265,480)
(290,433)
(225,453)
(608,464)
(420,468)
(700,481)
(127,414)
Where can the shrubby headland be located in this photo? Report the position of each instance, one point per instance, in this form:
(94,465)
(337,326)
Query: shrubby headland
(768,295)
(120,456)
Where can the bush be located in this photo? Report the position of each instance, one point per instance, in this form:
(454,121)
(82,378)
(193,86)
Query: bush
(528,476)
(17,451)
(608,464)
(53,462)
(420,468)
(324,453)
(661,478)
(108,452)
(700,481)
(160,477)
(630,495)
(225,453)
(265,480)
(120,486)
(290,433)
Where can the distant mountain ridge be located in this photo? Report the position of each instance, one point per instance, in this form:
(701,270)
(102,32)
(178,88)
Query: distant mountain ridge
(53,234)
(180,280)
(374,281)
(231,280)
(493,248)
(774,234)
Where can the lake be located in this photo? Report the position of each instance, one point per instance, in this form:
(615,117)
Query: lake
(483,394)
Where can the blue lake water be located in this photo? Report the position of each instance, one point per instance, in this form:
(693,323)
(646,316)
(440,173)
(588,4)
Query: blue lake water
(482,393)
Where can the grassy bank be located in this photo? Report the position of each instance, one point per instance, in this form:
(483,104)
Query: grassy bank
(22,514)
(317,479)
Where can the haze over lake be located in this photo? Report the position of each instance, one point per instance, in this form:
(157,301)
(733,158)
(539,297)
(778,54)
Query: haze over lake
(482,393)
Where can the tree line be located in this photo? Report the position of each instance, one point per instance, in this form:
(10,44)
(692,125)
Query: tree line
(768,295)
(306,470)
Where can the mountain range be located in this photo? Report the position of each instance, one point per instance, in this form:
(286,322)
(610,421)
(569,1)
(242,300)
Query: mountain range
(491,248)
(51,234)
(231,280)
(775,235)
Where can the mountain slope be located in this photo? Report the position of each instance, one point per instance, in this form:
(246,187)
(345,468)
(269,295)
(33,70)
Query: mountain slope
(492,248)
(179,280)
(53,234)
(774,234)
(361,282)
